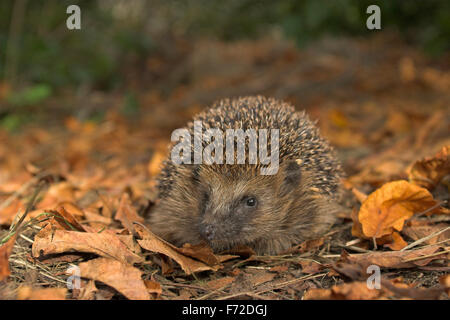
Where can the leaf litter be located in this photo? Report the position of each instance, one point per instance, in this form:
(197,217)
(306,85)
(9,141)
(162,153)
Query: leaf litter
(100,186)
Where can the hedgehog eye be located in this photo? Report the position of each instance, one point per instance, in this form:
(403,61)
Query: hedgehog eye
(250,202)
(205,197)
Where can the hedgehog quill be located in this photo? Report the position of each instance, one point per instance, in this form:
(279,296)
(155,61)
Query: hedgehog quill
(234,204)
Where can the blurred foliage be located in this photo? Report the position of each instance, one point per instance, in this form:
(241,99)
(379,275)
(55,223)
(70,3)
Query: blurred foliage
(50,53)
(426,23)
(30,95)
(118,33)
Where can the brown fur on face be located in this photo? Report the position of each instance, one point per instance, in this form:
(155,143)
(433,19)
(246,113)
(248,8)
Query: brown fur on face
(210,200)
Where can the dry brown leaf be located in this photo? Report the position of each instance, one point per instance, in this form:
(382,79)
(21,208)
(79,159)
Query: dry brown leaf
(280,268)
(396,241)
(356,226)
(154,288)
(240,250)
(72,208)
(306,246)
(398,259)
(87,292)
(310,267)
(429,172)
(104,244)
(261,277)
(7,214)
(58,192)
(5,252)
(417,232)
(397,288)
(153,243)
(126,213)
(220,283)
(204,253)
(345,291)
(27,293)
(123,277)
(445,282)
(386,209)
(67,220)
(154,166)
(96,220)
(359,290)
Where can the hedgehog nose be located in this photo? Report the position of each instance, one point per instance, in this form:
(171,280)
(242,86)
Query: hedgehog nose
(208,231)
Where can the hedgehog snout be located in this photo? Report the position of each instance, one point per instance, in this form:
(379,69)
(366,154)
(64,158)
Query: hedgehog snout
(208,231)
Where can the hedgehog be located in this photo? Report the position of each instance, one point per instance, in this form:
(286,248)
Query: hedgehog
(230,205)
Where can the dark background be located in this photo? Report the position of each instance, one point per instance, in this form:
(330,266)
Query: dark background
(128,46)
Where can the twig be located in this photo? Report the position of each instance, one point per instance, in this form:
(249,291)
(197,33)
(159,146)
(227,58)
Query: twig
(34,267)
(29,206)
(415,243)
(220,290)
(429,209)
(354,248)
(427,256)
(26,238)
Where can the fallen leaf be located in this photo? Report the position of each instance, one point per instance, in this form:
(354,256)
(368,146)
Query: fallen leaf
(398,259)
(154,288)
(8,213)
(240,250)
(87,292)
(417,232)
(96,220)
(5,252)
(430,171)
(153,243)
(27,293)
(345,291)
(261,277)
(386,209)
(359,290)
(66,220)
(445,282)
(356,226)
(125,278)
(280,268)
(204,253)
(58,192)
(396,241)
(126,214)
(103,244)
(310,267)
(403,290)
(307,246)
(154,166)
(219,283)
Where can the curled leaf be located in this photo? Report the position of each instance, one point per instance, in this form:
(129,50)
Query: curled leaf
(385,210)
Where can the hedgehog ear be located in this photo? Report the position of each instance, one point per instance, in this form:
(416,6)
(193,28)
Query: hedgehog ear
(292,173)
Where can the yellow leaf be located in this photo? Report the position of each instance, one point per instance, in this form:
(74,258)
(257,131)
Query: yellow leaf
(386,209)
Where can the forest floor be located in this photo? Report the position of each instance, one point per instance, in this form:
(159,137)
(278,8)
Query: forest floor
(79,184)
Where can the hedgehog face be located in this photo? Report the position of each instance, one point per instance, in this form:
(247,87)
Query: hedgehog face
(241,206)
